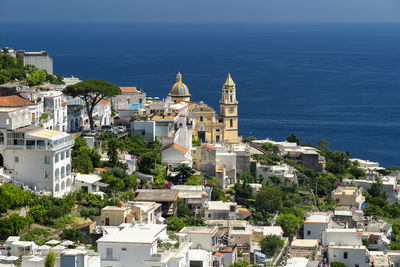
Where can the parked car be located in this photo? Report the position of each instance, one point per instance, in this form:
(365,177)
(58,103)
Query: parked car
(92,133)
(106,127)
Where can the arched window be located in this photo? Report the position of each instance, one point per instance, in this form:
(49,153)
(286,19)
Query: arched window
(62,172)
(62,155)
(68,182)
(68,170)
(57,187)
(231,123)
(62,185)
(201,118)
(57,173)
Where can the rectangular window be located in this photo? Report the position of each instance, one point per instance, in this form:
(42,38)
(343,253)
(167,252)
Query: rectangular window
(62,155)
(57,157)
(46,174)
(345,255)
(46,159)
(67,154)
(308,232)
(231,123)
(109,253)
(16,159)
(123,249)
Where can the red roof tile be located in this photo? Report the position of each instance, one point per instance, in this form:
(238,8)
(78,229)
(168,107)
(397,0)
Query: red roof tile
(14,101)
(104,102)
(207,145)
(129,89)
(176,146)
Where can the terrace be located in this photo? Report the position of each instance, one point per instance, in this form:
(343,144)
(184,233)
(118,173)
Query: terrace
(37,138)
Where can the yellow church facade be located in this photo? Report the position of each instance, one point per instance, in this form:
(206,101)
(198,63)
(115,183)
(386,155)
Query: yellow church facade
(209,126)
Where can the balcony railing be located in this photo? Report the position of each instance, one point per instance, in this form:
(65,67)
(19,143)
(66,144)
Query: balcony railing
(109,258)
(42,146)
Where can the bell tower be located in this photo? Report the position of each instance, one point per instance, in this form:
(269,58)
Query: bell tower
(229,110)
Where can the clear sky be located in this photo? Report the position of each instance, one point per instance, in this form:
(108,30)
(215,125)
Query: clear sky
(200,10)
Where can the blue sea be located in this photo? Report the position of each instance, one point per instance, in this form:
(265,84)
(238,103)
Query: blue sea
(338,82)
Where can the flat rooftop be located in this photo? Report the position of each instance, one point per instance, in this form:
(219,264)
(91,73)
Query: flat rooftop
(157,195)
(317,218)
(199,230)
(135,234)
(87,178)
(115,208)
(305,243)
(220,205)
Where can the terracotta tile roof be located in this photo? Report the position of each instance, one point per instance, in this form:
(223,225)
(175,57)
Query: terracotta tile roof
(63,102)
(227,250)
(244,211)
(207,145)
(101,169)
(104,102)
(176,146)
(129,89)
(218,254)
(14,101)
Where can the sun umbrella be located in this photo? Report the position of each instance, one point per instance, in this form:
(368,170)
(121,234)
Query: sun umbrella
(52,242)
(11,258)
(59,247)
(67,243)
(36,259)
(44,247)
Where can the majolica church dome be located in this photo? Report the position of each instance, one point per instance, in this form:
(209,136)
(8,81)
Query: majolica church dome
(179,91)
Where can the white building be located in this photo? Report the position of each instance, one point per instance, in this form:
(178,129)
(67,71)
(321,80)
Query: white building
(202,237)
(219,210)
(137,245)
(90,183)
(314,224)
(102,113)
(366,164)
(345,245)
(175,155)
(37,157)
(56,108)
(194,196)
(284,171)
(199,258)
(32,155)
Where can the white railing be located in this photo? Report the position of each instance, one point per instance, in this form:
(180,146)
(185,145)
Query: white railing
(42,147)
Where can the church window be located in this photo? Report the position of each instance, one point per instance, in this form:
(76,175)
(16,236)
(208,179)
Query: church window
(231,123)
(231,98)
(217,130)
(201,118)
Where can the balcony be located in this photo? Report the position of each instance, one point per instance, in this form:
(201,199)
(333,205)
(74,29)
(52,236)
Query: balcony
(109,259)
(42,146)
